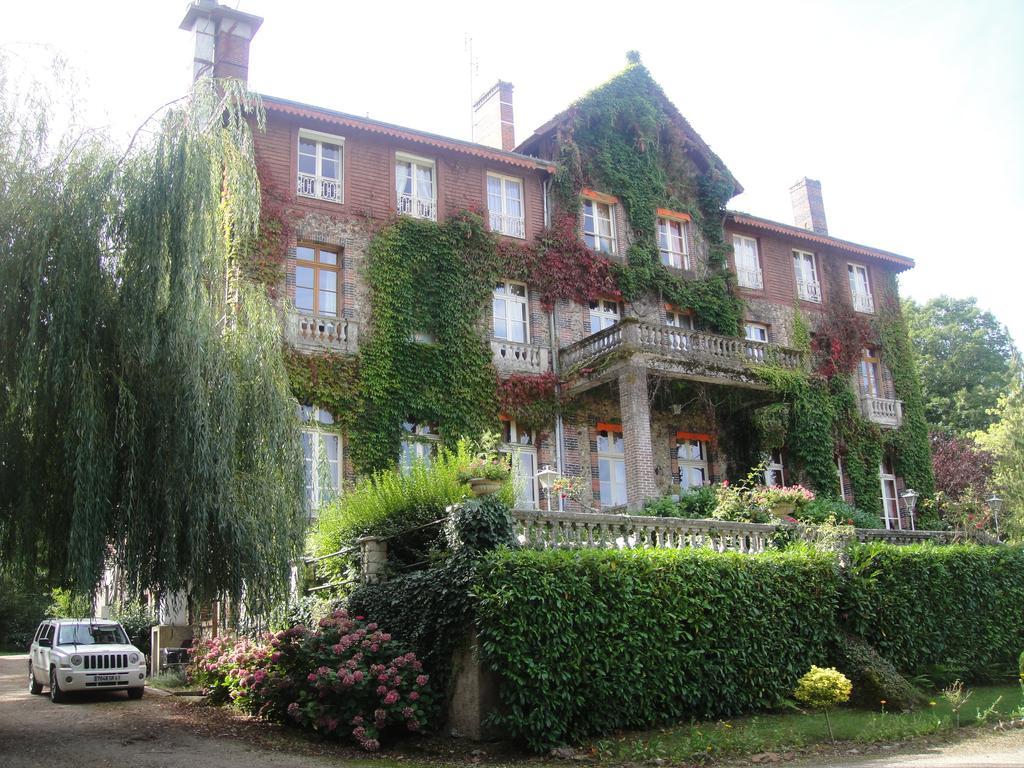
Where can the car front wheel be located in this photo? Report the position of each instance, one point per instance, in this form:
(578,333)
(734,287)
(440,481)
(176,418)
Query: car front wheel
(33,687)
(56,694)
(136,693)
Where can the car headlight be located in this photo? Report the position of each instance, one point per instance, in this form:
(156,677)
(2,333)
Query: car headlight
(133,658)
(76,660)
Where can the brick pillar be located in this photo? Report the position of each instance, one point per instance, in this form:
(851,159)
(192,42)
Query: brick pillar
(635,408)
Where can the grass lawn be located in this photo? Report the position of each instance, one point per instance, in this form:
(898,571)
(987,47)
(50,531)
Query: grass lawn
(794,730)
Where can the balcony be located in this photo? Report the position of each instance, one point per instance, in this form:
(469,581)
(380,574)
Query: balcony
(883,411)
(864,302)
(310,332)
(419,207)
(319,187)
(513,226)
(514,357)
(809,290)
(673,353)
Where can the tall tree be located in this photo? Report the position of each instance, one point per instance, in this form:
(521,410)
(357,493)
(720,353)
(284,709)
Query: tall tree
(146,422)
(1005,439)
(964,357)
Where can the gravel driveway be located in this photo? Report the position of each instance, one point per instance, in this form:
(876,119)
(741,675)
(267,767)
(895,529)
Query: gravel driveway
(106,729)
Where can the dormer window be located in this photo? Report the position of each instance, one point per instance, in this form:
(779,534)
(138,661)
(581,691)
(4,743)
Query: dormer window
(321,166)
(599,225)
(416,187)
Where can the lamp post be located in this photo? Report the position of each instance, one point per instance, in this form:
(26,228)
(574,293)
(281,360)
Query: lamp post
(546,477)
(910,497)
(996,505)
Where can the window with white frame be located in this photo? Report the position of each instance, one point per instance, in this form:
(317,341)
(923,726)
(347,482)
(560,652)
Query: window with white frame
(890,499)
(599,226)
(519,444)
(604,313)
(505,205)
(870,373)
(860,288)
(321,166)
(511,311)
(418,446)
(692,461)
(672,243)
(774,474)
(684,322)
(806,271)
(321,453)
(748,263)
(611,467)
(416,186)
(755,332)
(316,280)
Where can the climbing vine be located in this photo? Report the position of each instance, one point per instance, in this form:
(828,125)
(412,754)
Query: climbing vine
(327,381)
(531,400)
(426,360)
(625,141)
(268,249)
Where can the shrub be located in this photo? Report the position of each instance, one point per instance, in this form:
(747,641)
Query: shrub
(390,503)
(874,679)
(821,510)
(347,677)
(589,641)
(823,688)
(958,606)
(137,620)
(696,504)
(20,613)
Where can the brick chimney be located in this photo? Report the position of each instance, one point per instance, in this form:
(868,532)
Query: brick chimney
(492,118)
(222,39)
(808,207)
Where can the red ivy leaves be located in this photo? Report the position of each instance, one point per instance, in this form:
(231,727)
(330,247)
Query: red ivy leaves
(559,266)
(529,399)
(840,341)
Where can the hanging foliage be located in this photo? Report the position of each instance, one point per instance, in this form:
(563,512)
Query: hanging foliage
(146,421)
(530,399)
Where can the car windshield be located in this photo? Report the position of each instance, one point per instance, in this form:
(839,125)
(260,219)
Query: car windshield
(92,634)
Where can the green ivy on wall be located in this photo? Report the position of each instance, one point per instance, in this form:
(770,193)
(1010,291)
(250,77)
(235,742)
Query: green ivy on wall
(327,381)
(625,142)
(426,360)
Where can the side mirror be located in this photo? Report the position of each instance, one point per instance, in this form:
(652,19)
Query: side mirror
(45,642)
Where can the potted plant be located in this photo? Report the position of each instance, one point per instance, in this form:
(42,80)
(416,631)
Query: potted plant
(783,500)
(488,471)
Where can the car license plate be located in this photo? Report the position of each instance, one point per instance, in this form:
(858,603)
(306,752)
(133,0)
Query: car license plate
(106,678)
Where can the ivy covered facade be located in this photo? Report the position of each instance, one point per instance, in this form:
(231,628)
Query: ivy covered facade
(588,294)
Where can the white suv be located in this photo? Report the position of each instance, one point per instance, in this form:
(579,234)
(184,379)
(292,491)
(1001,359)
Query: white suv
(84,655)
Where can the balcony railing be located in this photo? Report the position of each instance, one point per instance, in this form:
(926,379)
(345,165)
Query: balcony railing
(420,207)
(314,332)
(678,344)
(513,226)
(750,278)
(883,411)
(521,358)
(808,290)
(319,187)
(864,302)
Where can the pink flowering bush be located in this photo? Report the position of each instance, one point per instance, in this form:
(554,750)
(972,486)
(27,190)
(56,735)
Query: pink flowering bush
(346,678)
(795,495)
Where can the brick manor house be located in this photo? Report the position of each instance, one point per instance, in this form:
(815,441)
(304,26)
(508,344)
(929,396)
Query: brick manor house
(649,382)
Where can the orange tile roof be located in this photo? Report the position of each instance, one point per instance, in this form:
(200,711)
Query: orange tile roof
(275,104)
(803,234)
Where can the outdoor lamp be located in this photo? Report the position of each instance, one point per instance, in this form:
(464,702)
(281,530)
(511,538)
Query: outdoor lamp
(996,505)
(546,477)
(910,497)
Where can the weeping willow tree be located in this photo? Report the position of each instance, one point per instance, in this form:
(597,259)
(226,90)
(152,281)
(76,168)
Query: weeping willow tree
(146,424)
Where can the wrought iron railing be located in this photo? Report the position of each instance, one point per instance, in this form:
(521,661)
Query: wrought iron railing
(420,207)
(319,187)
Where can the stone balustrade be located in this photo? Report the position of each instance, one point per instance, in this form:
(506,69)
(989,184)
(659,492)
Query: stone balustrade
(883,411)
(517,357)
(311,332)
(678,344)
(550,530)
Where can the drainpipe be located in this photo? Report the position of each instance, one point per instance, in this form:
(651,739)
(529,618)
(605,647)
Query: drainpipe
(559,426)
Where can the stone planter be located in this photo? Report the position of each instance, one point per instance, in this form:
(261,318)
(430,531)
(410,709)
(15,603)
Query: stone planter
(483,486)
(783,510)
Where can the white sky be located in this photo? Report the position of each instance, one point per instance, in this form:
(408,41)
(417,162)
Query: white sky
(910,112)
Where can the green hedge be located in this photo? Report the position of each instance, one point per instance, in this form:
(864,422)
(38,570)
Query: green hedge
(927,606)
(588,641)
